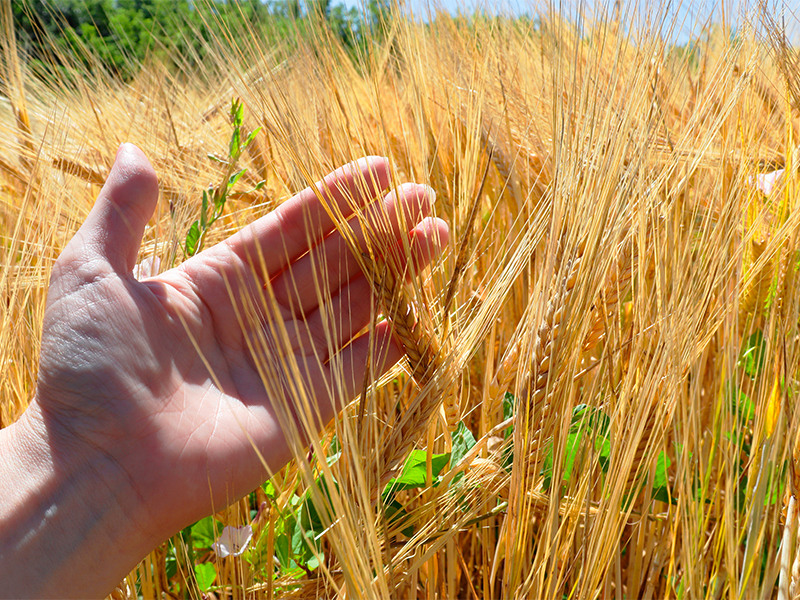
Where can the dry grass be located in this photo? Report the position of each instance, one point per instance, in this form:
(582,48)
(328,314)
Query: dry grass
(609,248)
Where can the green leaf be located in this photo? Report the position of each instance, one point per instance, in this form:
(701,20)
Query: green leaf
(580,426)
(579,415)
(547,468)
(301,550)
(237,112)
(259,185)
(283,535)
(192,239)
(205,531)
(397,516)
(662,465)
(602,445)
(509,403)
(661,490)
(304,545)
(753,354)
(414,474)
(334,452)
(205,573)
(291,545)
(299,541)
(508,411)
(171,562)
(217,159)
(310,519)
(600,422)
(463,442)
(587,424)
(662,495)
(204,210)
(571,452)
(235,145)
(776,484)
(269,490)
(251,137)
(235,177)
(679,586)
(233,149)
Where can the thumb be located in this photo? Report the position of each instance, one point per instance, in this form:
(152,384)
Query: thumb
(116,223)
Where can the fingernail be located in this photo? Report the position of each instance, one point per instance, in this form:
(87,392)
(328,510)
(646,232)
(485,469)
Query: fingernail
(116,156)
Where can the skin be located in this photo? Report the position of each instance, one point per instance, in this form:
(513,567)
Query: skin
(149,409)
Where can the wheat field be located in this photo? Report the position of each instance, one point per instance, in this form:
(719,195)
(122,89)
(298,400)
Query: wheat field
(599,394)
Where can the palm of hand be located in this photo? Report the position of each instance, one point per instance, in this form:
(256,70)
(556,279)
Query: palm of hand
(165,379)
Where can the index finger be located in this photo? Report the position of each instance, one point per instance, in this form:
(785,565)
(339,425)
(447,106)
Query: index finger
(300,223)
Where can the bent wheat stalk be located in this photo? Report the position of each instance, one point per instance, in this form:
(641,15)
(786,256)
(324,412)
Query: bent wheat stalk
(429,366)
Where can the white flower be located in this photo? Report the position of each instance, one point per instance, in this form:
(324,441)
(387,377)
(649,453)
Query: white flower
(233,541)
(147,268)
(766,182)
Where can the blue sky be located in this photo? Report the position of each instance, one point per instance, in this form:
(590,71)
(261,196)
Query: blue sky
(688,16)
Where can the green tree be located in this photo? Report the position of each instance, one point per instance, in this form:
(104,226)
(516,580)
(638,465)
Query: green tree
(119,35)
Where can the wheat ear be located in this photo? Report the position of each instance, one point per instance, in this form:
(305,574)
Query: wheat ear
(617,282)
(420,345)
(503,378)
(757,285)
(534,386)
(509,366)
(535,379)
(428,365)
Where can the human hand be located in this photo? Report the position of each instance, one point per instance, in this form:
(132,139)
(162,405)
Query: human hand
(163,388)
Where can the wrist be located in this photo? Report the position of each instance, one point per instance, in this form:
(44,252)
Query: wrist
(64,513)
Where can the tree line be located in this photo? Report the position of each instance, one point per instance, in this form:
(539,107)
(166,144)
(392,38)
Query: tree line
(120,35)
